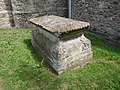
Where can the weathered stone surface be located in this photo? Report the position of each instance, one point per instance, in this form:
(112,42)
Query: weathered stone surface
(61,52)
(6,17)
(104,16)
(23,10)
(5,5)
(59,24)
(21,19)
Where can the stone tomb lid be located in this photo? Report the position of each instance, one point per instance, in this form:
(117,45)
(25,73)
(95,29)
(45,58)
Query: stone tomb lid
(56,24)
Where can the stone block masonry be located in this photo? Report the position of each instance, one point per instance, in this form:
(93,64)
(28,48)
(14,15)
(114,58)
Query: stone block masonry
(16,13)
(6,16)
(104,16)
(23,10)
(61,42)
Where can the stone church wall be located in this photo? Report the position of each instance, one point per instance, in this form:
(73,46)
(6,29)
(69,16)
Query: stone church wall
(6,16)
(23,10)
(104,16)
(18,12)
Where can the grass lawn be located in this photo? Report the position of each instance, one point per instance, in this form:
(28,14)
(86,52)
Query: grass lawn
(21,69)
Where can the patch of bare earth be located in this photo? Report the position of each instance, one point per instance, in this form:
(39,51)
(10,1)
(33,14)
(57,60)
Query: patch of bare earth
(63,86)
(1,83)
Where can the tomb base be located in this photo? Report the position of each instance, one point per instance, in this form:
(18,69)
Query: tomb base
(62,54)
(61,42)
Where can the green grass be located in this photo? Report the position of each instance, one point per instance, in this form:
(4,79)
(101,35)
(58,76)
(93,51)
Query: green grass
(21,69)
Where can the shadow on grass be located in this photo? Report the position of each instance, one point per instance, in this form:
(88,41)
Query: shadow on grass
(37,57)
(37,73)
(102,44)
(31,49)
